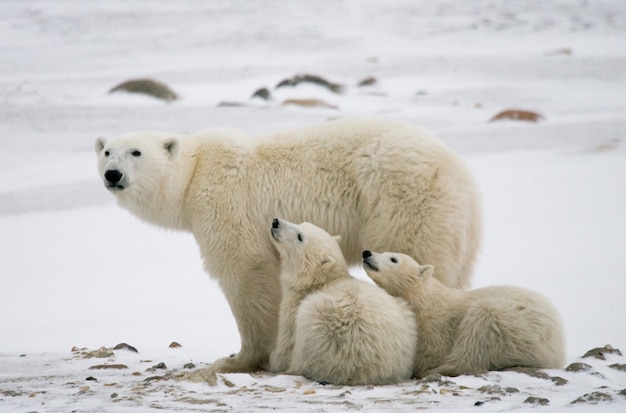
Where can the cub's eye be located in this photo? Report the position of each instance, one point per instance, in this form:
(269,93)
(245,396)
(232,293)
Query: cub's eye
(136,153)
(300,238)
(106,153)
(394,260)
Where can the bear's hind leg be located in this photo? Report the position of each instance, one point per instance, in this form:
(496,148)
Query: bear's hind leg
(481,342)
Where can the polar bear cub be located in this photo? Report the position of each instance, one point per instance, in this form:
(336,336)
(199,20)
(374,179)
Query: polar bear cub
(333,327)
(463,332)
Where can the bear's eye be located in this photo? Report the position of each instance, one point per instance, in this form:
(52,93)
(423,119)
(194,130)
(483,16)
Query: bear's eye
(136,153)
(106,153)
(300,238)
(394,260)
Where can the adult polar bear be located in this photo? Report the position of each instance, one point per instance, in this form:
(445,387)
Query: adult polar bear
(379,184)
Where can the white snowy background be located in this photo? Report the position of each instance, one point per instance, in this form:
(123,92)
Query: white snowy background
(76,270)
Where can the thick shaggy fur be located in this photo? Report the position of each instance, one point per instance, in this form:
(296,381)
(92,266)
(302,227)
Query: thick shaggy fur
(333,327)
(462,332)
(378,184)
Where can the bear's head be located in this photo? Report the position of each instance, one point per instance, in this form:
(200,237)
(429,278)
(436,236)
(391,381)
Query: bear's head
(309,255)
(135,161)
(394,272)
(145,173)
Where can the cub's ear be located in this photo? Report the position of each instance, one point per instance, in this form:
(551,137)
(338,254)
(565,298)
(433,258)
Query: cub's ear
(327,260)
(172,147)
(425,271)
(99,144)
(337,238)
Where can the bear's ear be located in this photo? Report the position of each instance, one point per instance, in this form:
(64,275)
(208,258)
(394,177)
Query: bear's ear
(426,271)
(99,144)
(327,260)
(337,238)
(172,147)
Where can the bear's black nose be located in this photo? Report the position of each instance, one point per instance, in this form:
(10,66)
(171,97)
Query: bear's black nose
(113,176)
(367,254)
(275,223)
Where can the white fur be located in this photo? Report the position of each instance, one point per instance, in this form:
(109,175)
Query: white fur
(378,184)
(462,332)
(333,327)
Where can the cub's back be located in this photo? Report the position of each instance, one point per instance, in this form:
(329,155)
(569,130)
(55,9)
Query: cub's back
(355,303)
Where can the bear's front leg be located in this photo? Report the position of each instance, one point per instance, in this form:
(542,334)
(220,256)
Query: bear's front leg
(280,358)
(254,298)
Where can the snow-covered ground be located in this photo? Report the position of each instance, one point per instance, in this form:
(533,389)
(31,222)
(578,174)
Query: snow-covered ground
(76,270)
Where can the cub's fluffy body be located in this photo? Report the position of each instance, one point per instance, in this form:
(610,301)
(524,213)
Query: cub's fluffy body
(351,177)
(462,332)
(333,327)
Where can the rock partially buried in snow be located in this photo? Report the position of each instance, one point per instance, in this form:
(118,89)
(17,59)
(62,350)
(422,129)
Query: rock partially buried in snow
(599,352)
(124,346)
(593,398)
(148,87)
(309,103)
(518,115)
(262,93)
(102,352)
(578,366)
(536,400)
(368,81)
(316,80)
(108,367)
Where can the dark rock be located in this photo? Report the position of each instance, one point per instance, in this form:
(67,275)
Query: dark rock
(147,87)
(124,346)
(537,400)
(155,378)
(559,381)
(620,367)
(368,81)
(159,366)
(491,399)
(91,378)
(496,389)
(599,352)
(262,93)
(189,366)
(174,344)
(317,80)
(578,366)
(593,398)
(622,392)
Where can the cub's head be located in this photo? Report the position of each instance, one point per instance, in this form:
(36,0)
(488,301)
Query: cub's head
(309,255)
(136,162)
(394,272)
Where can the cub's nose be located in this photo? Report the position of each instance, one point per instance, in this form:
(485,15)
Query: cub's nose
(113,176)
(367,254)
(275,223)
